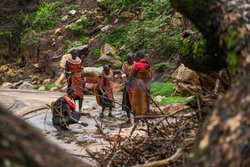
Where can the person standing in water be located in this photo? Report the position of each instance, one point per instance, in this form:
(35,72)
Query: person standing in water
(128,90)
(75,76)
(105,90)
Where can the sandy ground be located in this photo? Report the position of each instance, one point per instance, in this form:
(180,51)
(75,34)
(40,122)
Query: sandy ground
(31,106)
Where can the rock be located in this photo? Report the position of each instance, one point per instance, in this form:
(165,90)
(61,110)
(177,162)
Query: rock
(65,18)
(72,13)
(88,107)
(123,47)
(116,21)
(63,61)
(16,85)
(188,82)
(54,89)
(158,99)
(105,58)
(117,63)
(79,21)
(34,83)
(42,88)
(26,86)
(47,81)
(64,88)
(58,31)
(107,49)
(92,71)
(6,85)
(59,38)
(61,80)
(34,78)
(36,65)
(106,28)
(100,18)
(171,108)
(127,15)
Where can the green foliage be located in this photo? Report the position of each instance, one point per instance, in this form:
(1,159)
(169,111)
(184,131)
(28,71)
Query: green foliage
(47,86)
(46,16)
(95,53)
(162,64)
(163,89)
(118,5)
(150,32)
(85,22)
(71,7)
(105,21)
(7,32)
(83,39)
(98,65)
(185,47)
(70,45)
(233,61)
(173,99)
(75,26)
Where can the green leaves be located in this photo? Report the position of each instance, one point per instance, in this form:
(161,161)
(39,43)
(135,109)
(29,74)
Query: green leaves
(46,16)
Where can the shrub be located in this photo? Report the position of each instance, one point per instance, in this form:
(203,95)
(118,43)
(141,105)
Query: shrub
(47,86)
(162,64)
(70,45)
(85,22)
(163,89)
(75,26)
(174,99)
(71,7)
(46,16)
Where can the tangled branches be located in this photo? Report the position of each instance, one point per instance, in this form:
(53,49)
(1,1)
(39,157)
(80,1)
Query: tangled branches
(166,141)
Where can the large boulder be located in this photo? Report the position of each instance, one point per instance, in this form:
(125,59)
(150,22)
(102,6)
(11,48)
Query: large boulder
(108,55)
(6,85)
(92,71)
(63,61)
(61,80)
(16,85)
(26,86)
(189,82)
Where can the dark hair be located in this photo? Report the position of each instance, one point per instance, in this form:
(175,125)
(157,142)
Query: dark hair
(140,54)
(70,90)
(73,52)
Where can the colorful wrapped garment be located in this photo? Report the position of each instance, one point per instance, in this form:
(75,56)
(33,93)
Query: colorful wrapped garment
(76,78)
(128,88)
(140,102)
(60,111)
(105,83)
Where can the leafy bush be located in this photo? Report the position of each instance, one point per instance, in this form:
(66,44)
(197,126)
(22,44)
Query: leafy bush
(174,99)
(83,39)
(7,32)
(70,45)
(95,53)
(71,7)
(162,64)
(163,89)
(75,26)
(85,22)
(47,86)
(152,31)
(46,16)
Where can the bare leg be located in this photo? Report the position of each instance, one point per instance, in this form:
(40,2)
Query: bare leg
(102,113)
(110,112)
(80,104)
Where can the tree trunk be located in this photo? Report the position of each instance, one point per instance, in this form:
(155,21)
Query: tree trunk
(224,138)
(23,145)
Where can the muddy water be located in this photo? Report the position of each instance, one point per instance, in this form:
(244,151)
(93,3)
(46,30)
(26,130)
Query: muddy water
(30,106)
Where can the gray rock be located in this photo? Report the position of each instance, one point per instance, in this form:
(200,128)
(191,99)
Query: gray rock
(16,85)
(106,28)
(42,88)
(117,63)
(72,12)
(26,86)
(65,18)
(105,58)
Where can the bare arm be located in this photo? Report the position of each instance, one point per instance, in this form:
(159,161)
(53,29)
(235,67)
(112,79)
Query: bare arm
(70,115)
(67,70)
